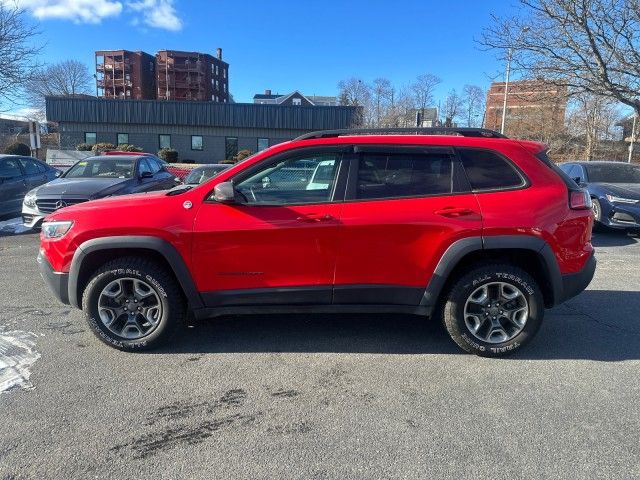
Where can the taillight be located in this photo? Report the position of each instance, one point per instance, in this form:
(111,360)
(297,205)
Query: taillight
(580,200)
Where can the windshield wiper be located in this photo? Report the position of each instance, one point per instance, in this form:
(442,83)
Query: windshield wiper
(179,189)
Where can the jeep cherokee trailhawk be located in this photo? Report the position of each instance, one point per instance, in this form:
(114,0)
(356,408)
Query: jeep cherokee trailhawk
(463,225)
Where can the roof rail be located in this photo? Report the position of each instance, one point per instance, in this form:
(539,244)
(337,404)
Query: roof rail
(464,132)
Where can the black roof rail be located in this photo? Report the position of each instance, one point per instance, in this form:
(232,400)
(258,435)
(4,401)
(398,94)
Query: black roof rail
(464,132)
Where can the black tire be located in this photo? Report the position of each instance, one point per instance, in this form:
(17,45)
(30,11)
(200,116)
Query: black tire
(166,292)
(454,309)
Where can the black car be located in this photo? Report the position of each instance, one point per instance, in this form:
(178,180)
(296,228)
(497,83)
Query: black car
(202,174)
(96,177)
(615,191)
(18,175)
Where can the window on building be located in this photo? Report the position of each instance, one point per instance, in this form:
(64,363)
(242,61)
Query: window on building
(224,87)
(224,73)
(217,84)
(488,171)
(263,143)
(230,147)
(217,71)
(403,175)
(297,101)
(196,142)
(123,139)
(164,141)
(90,138)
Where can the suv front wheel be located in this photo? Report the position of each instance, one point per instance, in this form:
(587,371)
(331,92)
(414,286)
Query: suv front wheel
(493,310)
(133,304)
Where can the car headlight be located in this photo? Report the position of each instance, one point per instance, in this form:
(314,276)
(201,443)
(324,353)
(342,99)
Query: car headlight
(614,199)
(30,198)
(55,229)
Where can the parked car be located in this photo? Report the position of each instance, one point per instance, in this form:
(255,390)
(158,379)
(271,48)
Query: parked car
(96,177)
(201,174)
(18,175)
(614,188)
(474,228)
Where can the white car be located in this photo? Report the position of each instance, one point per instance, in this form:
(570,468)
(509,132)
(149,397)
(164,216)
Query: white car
(322,175)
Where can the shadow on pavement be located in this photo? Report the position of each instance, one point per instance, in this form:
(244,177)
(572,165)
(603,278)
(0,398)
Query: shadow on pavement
(615,239)
(599,325)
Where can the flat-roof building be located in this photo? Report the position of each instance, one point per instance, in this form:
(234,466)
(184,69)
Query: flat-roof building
(206,132)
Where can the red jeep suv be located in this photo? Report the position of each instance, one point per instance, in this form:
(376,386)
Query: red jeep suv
(465,225)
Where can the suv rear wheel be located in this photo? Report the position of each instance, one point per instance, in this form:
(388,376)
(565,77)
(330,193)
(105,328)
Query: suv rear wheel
(133,304)
(493,310)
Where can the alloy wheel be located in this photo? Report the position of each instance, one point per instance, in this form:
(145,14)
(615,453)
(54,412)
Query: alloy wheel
(496,312)
(129,308)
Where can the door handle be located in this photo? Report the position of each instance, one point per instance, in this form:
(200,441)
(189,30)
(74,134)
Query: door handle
(454,212)
(315,217)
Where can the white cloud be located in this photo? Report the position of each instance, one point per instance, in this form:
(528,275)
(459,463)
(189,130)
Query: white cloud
(153,13)
(158,14)
(81,11)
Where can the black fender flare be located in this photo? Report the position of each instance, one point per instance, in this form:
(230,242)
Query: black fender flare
(459,249)
(158,245)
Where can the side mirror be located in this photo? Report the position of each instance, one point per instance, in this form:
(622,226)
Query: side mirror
(146,175)
(578,180)
(58,173)
(224,193)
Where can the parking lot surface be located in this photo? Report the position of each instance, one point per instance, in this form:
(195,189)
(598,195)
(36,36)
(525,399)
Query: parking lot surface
(349,396)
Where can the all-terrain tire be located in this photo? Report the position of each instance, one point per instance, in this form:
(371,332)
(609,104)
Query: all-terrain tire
(496,278)
(158,283)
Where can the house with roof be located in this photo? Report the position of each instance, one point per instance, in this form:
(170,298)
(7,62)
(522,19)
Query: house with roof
(294,98)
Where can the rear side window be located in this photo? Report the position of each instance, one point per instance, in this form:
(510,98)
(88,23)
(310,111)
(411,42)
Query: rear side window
(403,175)
(488,171)
(9,168)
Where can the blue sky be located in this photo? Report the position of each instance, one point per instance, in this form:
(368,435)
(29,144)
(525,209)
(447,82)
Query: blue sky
(283,45)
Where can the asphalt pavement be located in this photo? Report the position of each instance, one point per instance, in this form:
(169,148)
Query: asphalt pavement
(324,397)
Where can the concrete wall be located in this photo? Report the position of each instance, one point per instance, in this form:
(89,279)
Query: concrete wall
(147,137)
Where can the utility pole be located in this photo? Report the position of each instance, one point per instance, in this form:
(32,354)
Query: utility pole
(506,90)
(633,137)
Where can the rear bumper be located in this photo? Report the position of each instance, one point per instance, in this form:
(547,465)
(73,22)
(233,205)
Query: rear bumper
(58,282)
(574,283)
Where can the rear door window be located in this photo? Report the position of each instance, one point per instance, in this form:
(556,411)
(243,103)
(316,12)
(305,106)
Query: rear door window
(9,168)
(486,170)
(403,175)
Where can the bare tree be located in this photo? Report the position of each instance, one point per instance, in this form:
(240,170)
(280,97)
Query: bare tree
(67,78)
(473,99)
(423,89)
(588,46)
(18,54)
(452,108)
(354,92)
(383,98)
(592,119)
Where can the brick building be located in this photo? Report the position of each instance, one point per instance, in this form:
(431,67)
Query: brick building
(124,74)
(191,76)
(534,108)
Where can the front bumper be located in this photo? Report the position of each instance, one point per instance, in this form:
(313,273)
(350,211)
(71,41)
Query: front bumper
(58,281)
(574,283)
(32,217)
(622,216)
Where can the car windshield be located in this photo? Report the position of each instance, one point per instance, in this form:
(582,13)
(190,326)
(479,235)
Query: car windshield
(102,168)
(622,173)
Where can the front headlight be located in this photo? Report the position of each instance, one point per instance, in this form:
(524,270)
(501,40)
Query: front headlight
(30,198)
(55,229)
(628,201)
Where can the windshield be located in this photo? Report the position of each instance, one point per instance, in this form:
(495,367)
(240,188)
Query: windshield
(622,173)
(102,168)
